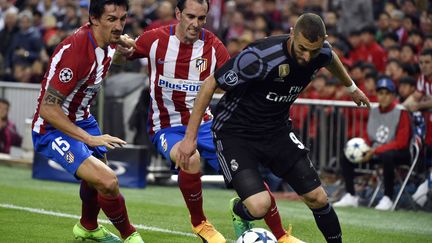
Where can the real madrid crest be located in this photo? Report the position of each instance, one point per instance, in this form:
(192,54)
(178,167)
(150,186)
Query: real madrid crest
(234,165)
(284,70)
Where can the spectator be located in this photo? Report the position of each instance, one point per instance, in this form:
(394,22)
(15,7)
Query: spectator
(427,44)
(270,9)
(394,52)
(150,9)
(330,20)
(236,27)
(71,20)
(409,8)
(22,72)
(357,52)
(27,43)
(355,14)
(165,13)
(233,46)
(421,100)
(426,21)
(83,11)
(4,7)
(408,54)
(374,52)
(383,26)
(407,86)
(395,70)
(8,133)
(59,10)
(388,134)
(389,39)
(370,85)
(9,30)
(397,17)
(415,37)
(410,23)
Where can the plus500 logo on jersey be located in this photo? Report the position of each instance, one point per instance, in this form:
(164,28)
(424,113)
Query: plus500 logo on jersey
(179,84)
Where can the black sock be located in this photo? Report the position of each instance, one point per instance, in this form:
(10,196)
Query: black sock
(241,210)
(328,223)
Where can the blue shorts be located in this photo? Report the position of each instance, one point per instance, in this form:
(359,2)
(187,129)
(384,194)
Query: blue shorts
(165,139)
(66,151)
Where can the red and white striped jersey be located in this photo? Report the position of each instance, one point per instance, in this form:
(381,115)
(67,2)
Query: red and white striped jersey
(176,72)
(424,86)
(76,69)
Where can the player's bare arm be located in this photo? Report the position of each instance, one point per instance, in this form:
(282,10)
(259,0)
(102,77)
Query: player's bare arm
(338,70)
(125,49)
(425,104)
(52,112)
(411,102)
(188,145)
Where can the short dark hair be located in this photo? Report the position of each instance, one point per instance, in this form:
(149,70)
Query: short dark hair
(97,7)
(311,26)
(181,4)
(4,101)
(391,35)
(408,80)
(426,52)
(370,29)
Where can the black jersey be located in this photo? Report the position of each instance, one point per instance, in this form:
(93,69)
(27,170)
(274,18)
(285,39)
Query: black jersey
(261,83)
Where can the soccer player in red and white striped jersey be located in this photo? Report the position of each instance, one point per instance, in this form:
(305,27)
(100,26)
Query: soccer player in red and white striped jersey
(66,132)
(421,100)
(180,57)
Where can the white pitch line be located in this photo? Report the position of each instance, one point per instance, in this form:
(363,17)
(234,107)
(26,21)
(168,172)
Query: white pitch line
(66,215)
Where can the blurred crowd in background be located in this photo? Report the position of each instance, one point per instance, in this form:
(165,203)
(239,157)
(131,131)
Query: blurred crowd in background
(372,37)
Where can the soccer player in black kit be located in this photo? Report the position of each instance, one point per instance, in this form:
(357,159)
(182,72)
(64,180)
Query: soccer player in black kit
(252,123)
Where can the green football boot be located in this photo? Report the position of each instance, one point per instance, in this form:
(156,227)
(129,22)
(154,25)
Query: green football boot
(240,225)
(100,234)
(135,237)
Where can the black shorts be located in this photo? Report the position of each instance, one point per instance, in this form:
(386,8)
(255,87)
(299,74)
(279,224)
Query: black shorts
(282,153)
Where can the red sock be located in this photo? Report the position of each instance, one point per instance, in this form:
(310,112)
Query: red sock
(273,219)
(191,188)
(90,206)
(115,209)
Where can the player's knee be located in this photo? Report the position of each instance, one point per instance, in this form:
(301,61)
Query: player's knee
(316,198)
(108,185)
(194,164)
(258,206)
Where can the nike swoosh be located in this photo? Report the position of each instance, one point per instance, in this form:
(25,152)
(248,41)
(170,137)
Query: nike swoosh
(195,195)
(160,61)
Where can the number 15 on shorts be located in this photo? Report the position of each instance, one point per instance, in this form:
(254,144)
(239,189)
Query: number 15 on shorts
(60,145)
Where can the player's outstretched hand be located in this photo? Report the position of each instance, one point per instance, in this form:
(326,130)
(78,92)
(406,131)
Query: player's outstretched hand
(412,106)
(360,98)
(106,140)
(185,151)
(127,42)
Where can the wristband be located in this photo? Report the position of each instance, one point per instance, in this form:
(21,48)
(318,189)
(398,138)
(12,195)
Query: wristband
(351,88)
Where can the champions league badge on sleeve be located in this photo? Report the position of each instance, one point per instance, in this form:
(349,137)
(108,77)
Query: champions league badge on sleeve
(230,78)
(65,75)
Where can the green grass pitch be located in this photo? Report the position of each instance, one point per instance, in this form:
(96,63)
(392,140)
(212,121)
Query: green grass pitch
(45,211)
